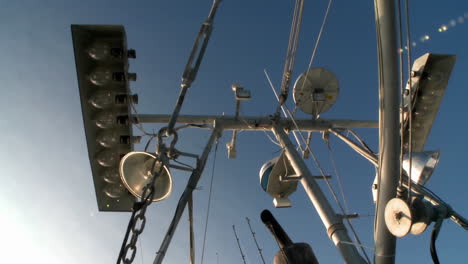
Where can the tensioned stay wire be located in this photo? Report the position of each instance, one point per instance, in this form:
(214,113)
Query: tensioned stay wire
(284,112)
(402,133)
(141,252)
(307,147)
(319,36)
(317,164)
(209,200)
(323,175)
(340,186)
(286,109)
(410,103)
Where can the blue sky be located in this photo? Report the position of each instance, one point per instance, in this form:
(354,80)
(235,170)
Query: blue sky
(47,198)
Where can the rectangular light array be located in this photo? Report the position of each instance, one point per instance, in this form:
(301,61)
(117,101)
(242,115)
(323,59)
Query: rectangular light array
(101,57)
(429,78)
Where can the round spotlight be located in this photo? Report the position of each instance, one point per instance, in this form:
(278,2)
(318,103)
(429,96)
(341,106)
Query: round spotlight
(135,173)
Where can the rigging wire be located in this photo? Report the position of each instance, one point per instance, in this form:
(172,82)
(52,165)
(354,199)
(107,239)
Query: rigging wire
(264,130)
(284,112)
(340,186)
(402,131)
(305,141)
(410,103)
(141,252)
(335,197)
(209,200)
(356,244)
(312,57)
(358,138)
(183,164)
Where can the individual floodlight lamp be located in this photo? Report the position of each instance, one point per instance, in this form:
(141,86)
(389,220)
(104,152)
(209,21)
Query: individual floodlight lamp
(101,57)
(429,78)
(136,171)
(422,165)
(277,178)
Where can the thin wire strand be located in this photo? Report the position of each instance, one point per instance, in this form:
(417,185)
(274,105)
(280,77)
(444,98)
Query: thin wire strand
(264,130)
(184,164)
(312,57)
(410,103)
(338,177)
(356,244)
(402,132)
(141,252)
(209,200)
(317,164)
(284,112)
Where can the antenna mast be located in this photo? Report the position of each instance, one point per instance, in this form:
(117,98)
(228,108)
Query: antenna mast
(238,243)
(255,239)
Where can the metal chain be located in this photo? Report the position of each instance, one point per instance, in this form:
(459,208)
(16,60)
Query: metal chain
(138,219)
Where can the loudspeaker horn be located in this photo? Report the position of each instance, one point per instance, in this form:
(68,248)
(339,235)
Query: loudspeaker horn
(135,173)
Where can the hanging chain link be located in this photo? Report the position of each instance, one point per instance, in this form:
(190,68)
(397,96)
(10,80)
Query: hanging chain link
(138,219)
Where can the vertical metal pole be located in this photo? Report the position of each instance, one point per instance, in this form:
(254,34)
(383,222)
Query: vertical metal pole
(192,237)
(333,223)
(389,140)
(191,185)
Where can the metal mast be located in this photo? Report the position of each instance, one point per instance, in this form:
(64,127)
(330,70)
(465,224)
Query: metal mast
(389,140)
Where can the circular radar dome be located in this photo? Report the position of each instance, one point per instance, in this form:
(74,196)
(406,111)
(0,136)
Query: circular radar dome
(316,91)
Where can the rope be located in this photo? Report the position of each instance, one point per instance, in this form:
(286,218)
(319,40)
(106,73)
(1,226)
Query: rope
(209,201)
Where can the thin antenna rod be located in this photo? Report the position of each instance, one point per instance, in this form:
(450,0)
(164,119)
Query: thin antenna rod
(255,239)
(238,243)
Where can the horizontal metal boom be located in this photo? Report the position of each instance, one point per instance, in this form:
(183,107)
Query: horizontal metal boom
(258,122)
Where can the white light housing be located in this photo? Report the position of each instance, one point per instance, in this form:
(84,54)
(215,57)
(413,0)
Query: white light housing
(272,175)
(422,165)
